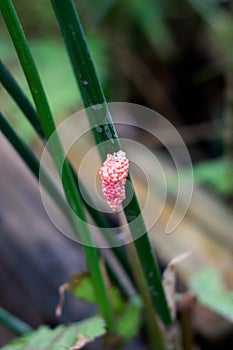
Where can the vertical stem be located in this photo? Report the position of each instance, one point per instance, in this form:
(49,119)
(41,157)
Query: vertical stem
(186,305)
(155,333)
(20,98)
(48,125)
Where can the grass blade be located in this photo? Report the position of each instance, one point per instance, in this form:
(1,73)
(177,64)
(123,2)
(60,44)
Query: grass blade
(20,98)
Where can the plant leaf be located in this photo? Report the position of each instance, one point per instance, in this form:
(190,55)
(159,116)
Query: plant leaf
(129,322)
(211,292)
(127,316)
(72,337)
(169,280)
(82,287)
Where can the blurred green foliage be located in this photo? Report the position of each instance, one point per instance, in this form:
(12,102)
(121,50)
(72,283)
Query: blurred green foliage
(127,315)
(66,337)
(209,288)
(217,174)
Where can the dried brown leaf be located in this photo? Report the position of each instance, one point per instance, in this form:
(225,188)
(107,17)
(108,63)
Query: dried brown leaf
(68,287)
(169,280)
(62,289)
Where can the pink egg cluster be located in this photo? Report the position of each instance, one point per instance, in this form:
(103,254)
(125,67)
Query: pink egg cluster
(113,173)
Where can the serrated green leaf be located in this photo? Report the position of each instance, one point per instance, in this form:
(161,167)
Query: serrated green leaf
(128,318)
(92,327)
(210,291)
(81,286)
(129,322)
(61,337)
(117,300)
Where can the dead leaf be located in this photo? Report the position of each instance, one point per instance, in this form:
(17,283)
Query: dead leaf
(68,287)
(62,289)
(169,280)
(76,280)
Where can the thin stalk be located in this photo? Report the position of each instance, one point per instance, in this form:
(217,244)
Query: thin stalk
(187,330)
(48,125)
(155,333)
(93,97)
(186,307)
(26,107)
(21,99)
(14,323)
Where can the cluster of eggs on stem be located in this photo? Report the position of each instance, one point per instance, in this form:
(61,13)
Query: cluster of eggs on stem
(113,173)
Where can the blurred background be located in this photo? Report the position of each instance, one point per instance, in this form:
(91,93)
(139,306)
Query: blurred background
(175,57)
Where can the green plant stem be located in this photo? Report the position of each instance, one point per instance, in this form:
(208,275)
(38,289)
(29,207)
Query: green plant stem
(14,323)
(34,82)
(26,107)
(155,334)
(99,114)
(21,99)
